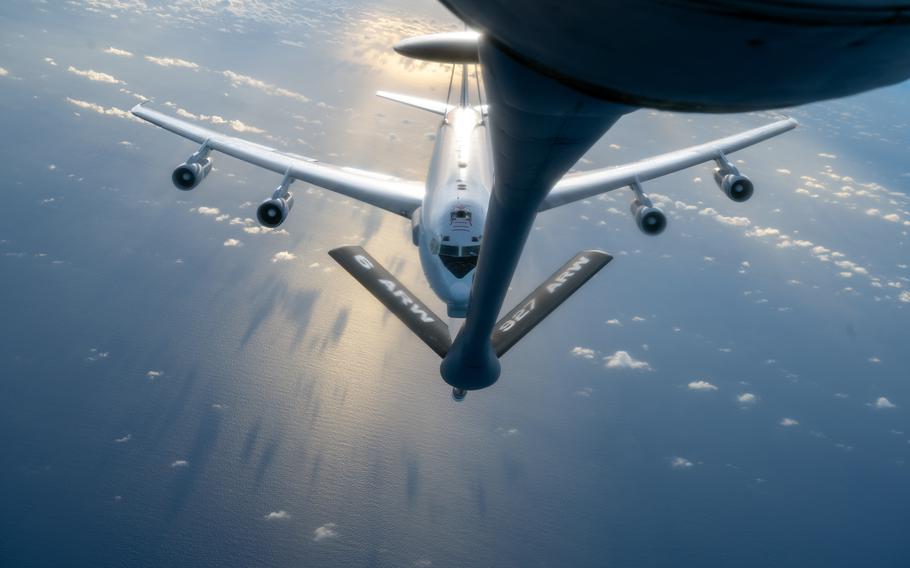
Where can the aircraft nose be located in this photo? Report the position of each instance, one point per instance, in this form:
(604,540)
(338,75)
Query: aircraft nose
(459,292)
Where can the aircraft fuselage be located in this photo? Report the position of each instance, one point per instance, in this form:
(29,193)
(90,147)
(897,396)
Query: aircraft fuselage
(451,219)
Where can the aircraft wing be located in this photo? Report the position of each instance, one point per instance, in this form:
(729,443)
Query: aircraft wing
(578,186)
(386,192)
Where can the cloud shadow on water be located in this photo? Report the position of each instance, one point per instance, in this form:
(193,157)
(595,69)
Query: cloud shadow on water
(198,456)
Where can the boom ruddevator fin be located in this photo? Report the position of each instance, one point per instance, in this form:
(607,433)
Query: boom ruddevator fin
(546,298)
(399,300)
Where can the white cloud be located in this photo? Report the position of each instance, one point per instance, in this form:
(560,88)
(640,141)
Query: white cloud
(701,386)
(237,125)
(94,75)
(826,155)
(180,463)
(50,61)
(118,52)
(622,360)
(638,318)
(257,230)
(873,212)
(208,210)
(171,62)
(789,422)
(283,256)
(684,206)
(882,402)
(875,360)
(893,217)
(680,463)
(747,398)
(95,354)
(112,111)
(277,516)
(3,72)
(238,79)
(904,297)
(154,374)
(233,243)
(124,439)
(325,531)
(584,352)
(783,171)
(763,232)
(733,221)
(614,322)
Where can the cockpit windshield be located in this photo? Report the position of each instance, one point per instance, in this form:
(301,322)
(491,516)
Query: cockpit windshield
(449,250)
(459,260)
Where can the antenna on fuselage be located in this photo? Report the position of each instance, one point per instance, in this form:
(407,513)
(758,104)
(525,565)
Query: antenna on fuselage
(464,86)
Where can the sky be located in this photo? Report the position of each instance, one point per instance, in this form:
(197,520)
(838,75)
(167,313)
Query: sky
(180,387)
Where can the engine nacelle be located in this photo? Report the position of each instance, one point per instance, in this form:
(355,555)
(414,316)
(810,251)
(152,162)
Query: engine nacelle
(188,175)
(274,211)
(736,186)
(650,219)
(415,227)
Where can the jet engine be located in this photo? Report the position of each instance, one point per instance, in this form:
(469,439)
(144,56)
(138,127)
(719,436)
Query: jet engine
(273,211)
(189,174)
(415,227)
(650,219)
(736,186)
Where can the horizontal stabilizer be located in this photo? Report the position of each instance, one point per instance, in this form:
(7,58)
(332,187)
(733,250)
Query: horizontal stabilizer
(399,300)
(416,102)
(546,298)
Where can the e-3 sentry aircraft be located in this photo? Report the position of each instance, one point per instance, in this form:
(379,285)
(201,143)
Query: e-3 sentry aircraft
(449,212)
